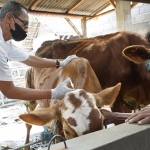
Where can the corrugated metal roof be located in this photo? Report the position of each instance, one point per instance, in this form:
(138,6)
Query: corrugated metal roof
(74,7)
(88,8)
(26,3)
(85,7)
(70,7)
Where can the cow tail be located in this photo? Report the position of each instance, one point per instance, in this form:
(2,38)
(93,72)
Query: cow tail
(87,76)
(30,105)
(82,73)
(28,79)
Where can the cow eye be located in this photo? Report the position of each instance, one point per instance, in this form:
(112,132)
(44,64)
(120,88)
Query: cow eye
(66,132)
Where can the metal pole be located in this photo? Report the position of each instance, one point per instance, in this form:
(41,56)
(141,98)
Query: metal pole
(26,145)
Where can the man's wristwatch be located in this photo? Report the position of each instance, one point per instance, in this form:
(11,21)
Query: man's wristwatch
(57,64)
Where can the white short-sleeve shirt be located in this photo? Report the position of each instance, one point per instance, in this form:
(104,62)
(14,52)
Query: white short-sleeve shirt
(9,51)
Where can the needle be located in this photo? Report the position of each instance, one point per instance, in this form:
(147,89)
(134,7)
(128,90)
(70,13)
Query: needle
(72,85)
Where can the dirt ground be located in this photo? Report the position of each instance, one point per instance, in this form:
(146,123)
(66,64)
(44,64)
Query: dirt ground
(12,129)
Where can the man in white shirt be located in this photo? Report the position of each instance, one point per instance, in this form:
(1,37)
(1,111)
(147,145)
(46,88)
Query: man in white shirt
(14,25)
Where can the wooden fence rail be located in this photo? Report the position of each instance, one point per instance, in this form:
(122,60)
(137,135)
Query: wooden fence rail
(122,137)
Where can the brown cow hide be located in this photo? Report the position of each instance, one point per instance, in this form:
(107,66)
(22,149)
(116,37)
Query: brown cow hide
(105,56)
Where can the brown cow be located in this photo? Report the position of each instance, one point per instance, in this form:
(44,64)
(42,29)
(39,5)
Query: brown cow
(105,56)
(80,72)
(139,54)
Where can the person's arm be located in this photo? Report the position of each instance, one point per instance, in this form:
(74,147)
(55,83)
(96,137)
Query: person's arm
(141,117)
(40,62)
(114,117)
(35,61)
(13,92)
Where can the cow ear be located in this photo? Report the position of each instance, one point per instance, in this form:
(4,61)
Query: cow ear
(42,116)
(107,96)
(136,53)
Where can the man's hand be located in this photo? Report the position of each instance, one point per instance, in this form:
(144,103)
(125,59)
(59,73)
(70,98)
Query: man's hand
(67,60)
(60,91)
(114,117)
(141,117)
(107,116)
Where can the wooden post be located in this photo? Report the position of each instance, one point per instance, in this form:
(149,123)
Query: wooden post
(83,25)
(123,15)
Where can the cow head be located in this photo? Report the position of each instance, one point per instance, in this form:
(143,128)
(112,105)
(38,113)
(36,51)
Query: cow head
(136,53)
(46,50)
(78,112)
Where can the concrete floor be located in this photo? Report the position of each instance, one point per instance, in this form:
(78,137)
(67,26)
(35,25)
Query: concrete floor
(12,129)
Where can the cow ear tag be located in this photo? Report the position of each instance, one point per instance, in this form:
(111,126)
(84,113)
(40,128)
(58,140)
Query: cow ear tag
(147,65)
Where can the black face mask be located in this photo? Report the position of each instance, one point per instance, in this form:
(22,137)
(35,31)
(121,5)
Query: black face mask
(18,34)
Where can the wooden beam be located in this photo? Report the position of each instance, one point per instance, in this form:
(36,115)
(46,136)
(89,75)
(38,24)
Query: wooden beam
(134,4)
(105,13)
(43,13)
(33,4)
(140,1)
(101,9)
(112,3)
(73,26)
(76,4)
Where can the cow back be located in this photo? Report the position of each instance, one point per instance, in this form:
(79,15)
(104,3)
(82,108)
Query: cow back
(79,71)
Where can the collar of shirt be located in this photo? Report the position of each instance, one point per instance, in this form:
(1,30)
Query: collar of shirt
(1,36)
(4,44)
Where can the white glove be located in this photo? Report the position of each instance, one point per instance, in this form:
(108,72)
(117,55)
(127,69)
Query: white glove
(67,60)
(60,91)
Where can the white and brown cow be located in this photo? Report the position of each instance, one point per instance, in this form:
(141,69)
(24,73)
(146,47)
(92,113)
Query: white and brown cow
(82,76)
(80,73)
(78,112)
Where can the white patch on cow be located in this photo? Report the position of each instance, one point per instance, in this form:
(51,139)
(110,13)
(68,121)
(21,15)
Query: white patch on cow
(80,114)
(88,48)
